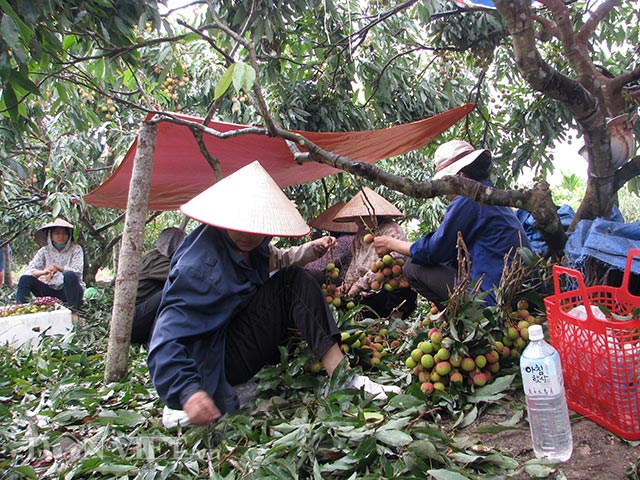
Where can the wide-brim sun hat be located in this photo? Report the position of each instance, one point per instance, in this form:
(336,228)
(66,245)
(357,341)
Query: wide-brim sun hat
(366,203)
(249,200)
(324,221)
(41,233)
(453,156)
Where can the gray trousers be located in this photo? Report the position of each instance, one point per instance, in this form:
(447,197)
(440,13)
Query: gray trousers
(431,281)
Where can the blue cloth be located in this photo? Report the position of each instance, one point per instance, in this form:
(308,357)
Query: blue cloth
(538,245)
(604,240)
(207,285)
(488,231)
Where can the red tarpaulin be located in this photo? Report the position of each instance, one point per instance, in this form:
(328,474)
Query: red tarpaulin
(180,171)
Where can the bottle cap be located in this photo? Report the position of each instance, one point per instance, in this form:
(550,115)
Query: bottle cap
(535,332)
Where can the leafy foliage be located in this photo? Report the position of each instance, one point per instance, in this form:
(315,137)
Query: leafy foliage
(58,419)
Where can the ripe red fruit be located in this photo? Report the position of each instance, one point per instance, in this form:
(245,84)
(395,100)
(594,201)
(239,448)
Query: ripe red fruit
(468,365)
(396,270)
(427,387)
(480,379)
(368,238)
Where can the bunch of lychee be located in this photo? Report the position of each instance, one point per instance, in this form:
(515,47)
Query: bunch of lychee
(332,295)
(516,337)
(438,367)
(368,348)
(387,270)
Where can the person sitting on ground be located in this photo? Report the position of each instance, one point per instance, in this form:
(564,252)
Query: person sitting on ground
(374,215)
(341,254)
(223,316)
(153,273)
(155,270)
(490,232)
(56,269)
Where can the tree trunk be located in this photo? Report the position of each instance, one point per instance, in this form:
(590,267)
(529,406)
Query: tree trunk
(7,280)
(130,256)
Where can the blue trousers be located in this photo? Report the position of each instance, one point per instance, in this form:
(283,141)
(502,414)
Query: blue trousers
(70,294)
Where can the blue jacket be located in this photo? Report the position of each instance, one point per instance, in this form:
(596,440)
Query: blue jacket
(488,231)
(208,284)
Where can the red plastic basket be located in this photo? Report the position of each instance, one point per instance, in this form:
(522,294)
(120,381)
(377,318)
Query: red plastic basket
(600,356)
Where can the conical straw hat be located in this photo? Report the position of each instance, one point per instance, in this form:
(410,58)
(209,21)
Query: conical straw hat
(41,233)
(248,200)
(324,221)
(366,203)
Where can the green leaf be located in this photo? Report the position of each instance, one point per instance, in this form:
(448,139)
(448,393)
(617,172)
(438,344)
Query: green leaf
(395,438)
(125,418)
(26,471)
(22,80)
(225,82)
(25,30)
(69,41)
(446,475)
(426,449)
(468,419)
(540,467)
(493,391)
(9,31)
(244,77)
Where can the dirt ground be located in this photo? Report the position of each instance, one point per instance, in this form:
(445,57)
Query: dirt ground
(597,453)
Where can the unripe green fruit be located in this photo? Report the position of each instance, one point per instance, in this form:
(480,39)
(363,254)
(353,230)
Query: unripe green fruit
(426,346)
(427,361)
(443,353)
(416,354)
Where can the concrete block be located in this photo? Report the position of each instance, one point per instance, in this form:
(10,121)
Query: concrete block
(18,329)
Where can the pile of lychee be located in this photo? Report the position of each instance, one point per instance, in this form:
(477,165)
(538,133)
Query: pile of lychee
(437,367)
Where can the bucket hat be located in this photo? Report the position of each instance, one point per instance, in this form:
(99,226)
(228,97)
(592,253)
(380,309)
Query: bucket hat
(453,156)
(41,233)
(248,200)
(324,221)
(366,203)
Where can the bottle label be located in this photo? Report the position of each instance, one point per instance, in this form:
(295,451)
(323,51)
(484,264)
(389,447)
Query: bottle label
(541,378)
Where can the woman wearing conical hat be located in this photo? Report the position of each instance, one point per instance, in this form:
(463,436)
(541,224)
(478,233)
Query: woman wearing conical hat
(384,292)
(222,315)
(56,269)
(340,255)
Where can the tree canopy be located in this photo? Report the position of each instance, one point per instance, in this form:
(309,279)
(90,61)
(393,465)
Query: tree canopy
(76,80)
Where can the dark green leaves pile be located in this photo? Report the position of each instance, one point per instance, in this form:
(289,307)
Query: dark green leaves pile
(59,420)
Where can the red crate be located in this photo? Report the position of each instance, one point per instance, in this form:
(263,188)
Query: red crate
(600,354)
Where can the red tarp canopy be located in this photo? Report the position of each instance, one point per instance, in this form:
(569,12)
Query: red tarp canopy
(180,171)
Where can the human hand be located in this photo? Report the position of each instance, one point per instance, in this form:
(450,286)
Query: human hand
(323,244)
(382,244)
(200,409)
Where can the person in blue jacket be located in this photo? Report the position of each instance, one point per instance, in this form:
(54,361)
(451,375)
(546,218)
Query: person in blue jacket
(222,316)
(490,232)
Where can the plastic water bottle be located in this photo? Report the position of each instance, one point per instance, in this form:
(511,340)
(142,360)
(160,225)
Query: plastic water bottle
(546,400)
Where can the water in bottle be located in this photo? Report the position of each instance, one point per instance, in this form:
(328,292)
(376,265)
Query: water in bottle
(546,401)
